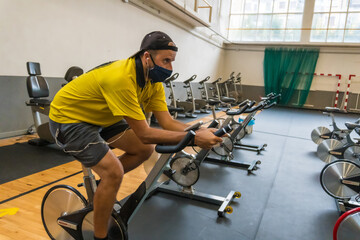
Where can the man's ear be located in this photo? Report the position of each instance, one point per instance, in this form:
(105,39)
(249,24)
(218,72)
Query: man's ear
(146,55)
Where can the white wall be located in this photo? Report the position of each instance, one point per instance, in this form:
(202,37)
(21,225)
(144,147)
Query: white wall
(345,61)
(86,33)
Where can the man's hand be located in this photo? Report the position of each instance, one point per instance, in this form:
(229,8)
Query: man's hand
(206,139)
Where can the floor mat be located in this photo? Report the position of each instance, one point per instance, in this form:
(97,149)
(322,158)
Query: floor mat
(22,159)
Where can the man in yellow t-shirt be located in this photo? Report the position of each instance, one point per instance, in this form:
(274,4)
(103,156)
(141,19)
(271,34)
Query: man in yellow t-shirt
(104,107)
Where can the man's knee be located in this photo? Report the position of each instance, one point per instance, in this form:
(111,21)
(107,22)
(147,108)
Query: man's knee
(147,150)
(114,176)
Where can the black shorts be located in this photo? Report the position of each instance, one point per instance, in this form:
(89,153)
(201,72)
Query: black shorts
(86,142)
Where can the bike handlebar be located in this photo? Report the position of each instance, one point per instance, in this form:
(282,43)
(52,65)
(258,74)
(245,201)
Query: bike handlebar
(241,110)
(187,140)
(270,105)
(178,147)
(223,130)
(172,78)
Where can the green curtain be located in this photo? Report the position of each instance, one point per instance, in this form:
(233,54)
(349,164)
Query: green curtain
(289,69)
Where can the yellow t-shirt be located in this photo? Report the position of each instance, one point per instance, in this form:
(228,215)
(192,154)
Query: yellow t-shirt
(105,95)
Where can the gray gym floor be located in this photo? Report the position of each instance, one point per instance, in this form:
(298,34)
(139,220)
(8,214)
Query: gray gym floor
(282,200)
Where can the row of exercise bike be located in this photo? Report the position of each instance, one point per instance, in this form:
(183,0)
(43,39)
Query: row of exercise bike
(67,214)
(340,178)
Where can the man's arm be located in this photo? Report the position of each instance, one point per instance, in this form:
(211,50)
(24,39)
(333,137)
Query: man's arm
(167,122)
(204,138)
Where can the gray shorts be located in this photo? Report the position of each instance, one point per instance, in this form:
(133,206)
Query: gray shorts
(86,142)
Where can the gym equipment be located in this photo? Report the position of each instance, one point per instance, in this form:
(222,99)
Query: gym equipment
(225,149)
(203,89)
(236,93)
(332,149)
(341,180)
(201,105)
(321,133)
(231,83)
(255,148)
(38,90)
(67,214)
(189,107)
(185,172)
(225,83)
(216,94)
(347,227)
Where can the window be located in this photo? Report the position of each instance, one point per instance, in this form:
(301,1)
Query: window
(266,20)
(336,21)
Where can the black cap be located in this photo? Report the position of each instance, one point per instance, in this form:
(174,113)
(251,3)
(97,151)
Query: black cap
(156,41)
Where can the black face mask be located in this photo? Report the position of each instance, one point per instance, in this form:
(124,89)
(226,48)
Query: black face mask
(158,74)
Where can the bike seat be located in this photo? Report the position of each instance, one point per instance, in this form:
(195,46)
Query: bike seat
(332,109)
(190,79)
(228,100)
(352,126)
(213,102)
(42,102)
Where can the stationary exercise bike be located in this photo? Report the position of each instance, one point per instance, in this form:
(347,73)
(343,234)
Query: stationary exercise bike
(188,107)
(236,93)
(223,153)
(203,89)
(341,180)
(66,214)
(269,101)
(185,173)
(320,134)
(201,105)
(226,84)
(347,227)
(331,149)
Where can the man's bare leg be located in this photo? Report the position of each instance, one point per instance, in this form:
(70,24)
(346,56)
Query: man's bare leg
(135,151)
(111,173)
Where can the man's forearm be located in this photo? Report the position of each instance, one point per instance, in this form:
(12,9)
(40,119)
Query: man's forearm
(175,125)
(154,136)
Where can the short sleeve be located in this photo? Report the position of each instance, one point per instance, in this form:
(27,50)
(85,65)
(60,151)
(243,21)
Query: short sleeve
(123,101)
(157,101)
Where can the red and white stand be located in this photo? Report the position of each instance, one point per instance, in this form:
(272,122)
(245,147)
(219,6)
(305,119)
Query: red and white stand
(338,84)
(347,92)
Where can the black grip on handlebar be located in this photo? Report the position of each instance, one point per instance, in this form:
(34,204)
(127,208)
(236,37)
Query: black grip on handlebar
(243,103)
(256,108)
(176,148)
(213,124)
(270,105)
(223,130)
(252,103)
(239,111)
(275,96)
(172,78)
